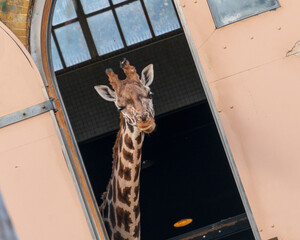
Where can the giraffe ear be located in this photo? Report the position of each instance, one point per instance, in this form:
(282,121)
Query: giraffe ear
(147,75)
(106,93)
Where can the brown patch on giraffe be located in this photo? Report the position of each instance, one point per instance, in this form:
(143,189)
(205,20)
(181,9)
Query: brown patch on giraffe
(123,196)
(136,192)
(109,195)
(123,218)
(123,123)
(137,230)
(125,172)
(136,210)
(115,189)
(128,156)
(105,211)
(130,127)
(118,140)
(138,139)
(120,143)
(128,142)
(139,153)
(116,161)
(118,236)
(137,171)
(112,215)
(108,228)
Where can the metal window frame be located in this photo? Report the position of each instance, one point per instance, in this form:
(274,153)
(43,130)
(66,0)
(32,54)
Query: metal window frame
(95,57)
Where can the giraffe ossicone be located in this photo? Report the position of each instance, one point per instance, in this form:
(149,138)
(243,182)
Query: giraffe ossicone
(132,96)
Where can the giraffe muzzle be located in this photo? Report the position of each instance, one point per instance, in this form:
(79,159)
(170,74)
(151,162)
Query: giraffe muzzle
(148,126)
(150,129)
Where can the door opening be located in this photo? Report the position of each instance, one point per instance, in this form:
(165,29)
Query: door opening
(185,171)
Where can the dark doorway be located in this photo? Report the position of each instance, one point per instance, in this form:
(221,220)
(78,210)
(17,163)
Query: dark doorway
(185,172)
(189,176)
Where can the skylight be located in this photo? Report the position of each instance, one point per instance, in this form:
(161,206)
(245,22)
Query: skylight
(84,30)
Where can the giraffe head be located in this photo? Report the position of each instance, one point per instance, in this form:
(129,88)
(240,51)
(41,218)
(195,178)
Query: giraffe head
(132,96)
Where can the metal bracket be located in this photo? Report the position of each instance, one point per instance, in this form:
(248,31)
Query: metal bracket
(27,113)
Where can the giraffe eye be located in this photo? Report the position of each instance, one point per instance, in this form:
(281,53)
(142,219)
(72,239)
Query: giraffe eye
(150,95)
(121,109)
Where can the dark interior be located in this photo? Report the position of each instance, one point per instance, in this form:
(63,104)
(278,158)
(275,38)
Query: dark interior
(186,173)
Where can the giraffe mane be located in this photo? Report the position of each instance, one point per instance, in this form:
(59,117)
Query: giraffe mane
(115,157)
(115,148)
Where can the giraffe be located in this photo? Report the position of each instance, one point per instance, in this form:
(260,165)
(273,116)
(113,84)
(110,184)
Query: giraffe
(120,208)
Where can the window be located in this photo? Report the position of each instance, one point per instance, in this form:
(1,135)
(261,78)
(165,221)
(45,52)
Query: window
(225,12)
(89,30)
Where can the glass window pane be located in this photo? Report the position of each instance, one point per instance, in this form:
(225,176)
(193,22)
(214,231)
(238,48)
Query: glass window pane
(72,44)
(133,22)
(64,10)
(105,32)
(162,15)
(118,1)
(57,65)
(93,5)
(228,11)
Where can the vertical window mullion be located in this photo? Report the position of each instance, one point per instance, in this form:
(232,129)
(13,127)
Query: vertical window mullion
(147,18)
(85,29)
(58,49)
(118,23)
(175,10)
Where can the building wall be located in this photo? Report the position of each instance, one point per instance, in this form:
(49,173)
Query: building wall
(35,177)
(255,88)
(15,14)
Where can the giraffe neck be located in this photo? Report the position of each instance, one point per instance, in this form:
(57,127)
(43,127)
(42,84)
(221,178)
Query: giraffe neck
(120,208)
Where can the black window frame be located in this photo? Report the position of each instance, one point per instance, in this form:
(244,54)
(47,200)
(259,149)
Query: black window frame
(82,20)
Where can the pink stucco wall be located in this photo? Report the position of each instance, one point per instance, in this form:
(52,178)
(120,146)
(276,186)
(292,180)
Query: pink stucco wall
(35,182)
(255,89)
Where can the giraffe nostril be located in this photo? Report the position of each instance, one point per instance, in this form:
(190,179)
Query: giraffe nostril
(144,117)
